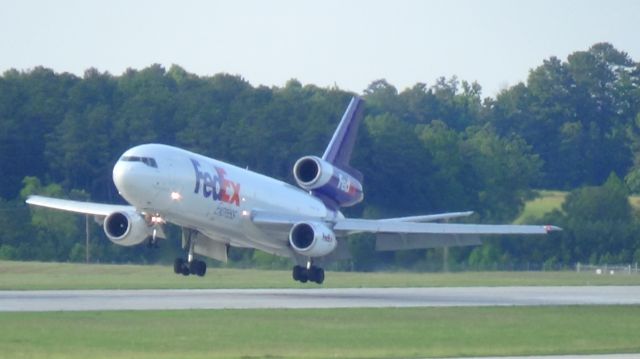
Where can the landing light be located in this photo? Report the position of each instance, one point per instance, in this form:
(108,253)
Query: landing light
(176,196)
(157,220)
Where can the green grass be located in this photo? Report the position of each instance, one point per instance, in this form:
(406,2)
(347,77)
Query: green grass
(546,202)
(341,333)
(635,202)
(42,276)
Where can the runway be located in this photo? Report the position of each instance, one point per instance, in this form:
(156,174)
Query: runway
(87,300)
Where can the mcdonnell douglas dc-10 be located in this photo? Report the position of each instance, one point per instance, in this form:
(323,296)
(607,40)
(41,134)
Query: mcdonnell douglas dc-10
(219,205)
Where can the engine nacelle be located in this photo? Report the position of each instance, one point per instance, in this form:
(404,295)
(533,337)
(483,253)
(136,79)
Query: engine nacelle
(322,178)
(312,239)
(126,228)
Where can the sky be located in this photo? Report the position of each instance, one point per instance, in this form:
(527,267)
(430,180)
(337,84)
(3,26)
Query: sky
(348,43)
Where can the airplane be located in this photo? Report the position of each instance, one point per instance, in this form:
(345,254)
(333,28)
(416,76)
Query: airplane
(219,205)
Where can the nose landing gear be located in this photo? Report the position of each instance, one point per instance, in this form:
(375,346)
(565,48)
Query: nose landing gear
(156,221)
(152,242)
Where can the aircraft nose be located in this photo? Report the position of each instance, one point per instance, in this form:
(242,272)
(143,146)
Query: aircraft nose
(123,178)
(127,178)
(137,181)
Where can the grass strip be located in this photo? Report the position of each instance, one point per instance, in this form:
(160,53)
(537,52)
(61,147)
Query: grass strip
(43,276)
(342,333)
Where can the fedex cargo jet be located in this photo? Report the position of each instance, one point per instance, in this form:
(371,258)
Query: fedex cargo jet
(219,205)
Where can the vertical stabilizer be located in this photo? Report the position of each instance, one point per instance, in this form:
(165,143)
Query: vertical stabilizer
(338,152)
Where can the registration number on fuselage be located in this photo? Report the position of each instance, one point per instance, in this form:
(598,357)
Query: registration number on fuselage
(225,212)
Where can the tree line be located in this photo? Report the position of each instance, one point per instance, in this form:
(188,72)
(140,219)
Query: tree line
(573,125)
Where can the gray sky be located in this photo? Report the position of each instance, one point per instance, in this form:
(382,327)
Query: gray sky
(326,43)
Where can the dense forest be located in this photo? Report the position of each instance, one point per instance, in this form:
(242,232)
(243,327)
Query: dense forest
(573,125)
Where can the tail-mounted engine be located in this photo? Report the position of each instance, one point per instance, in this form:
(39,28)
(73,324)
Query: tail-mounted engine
(327,181)
(126,228)
(312,239)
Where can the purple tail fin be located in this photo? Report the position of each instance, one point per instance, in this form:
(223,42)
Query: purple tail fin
(338,152)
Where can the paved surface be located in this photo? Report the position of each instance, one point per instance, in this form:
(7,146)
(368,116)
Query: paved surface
(79,300)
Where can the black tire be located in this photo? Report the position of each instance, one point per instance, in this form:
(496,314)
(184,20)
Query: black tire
(316,275)
(303,274)
(320,276)
(185,270)
(295,273)
(300,274)
(178,264)
(201,268)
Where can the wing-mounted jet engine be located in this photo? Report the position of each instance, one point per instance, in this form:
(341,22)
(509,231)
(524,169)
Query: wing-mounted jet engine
(313,239)
(127,228)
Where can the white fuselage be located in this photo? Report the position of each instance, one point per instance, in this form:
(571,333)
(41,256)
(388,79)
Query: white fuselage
(210,196)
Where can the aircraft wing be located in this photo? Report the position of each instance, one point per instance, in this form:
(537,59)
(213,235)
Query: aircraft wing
(97,209)
(352,225)
(429,217)
(396,234)
(405,225)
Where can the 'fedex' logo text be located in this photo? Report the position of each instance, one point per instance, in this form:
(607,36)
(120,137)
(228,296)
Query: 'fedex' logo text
(215,185)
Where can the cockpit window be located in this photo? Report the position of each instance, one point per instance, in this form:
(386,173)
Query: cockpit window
(149,161)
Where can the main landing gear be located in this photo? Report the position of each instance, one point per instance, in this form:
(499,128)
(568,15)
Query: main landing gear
(191,265)
(184,267)
(309,273)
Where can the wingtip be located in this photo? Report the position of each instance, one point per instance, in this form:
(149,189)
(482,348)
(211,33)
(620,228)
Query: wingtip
(549,228)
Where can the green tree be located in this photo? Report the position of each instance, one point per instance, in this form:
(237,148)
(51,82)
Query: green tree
(576,115)
(598,224)
(55,232)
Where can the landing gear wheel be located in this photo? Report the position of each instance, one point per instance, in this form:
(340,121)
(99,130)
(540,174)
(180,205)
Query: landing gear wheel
(316,275)
(181,266)
(303,275)
(178,264)
(203,269)
(296,273)
(185,270)
(300,274)
(198,268)
(192,265)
